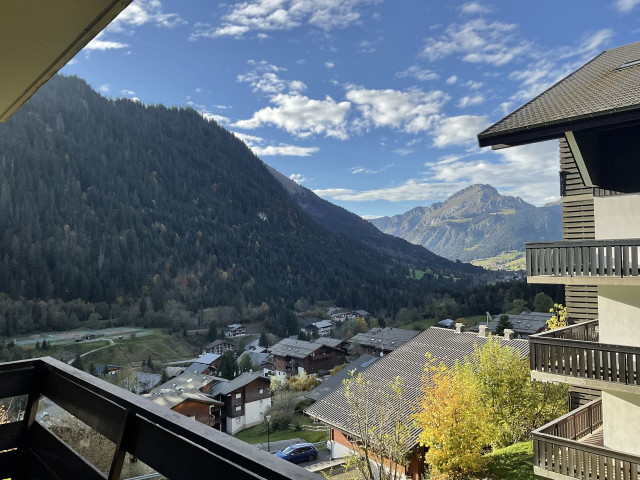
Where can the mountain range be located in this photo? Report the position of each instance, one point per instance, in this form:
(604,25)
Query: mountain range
(476,223)
(111,200)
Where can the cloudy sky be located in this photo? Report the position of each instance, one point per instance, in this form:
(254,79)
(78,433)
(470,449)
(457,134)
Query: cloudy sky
(372,104)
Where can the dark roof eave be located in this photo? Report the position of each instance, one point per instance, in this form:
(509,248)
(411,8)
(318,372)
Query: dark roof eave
(550,131)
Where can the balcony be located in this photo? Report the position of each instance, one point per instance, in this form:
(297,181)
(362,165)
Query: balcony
(167,442)
(571,447)
(574,355)
(591,262)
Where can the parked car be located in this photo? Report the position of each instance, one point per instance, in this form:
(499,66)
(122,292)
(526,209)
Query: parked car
(300,452)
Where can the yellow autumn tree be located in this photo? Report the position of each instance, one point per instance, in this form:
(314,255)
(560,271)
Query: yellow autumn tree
(559,318)
(455,424)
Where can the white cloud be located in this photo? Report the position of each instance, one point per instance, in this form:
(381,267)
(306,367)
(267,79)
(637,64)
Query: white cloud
(412,111)
(474,8)
(473,85)
(478,41)
(264,78)
(329,64)
(625,6)
(284,150)
(126,92)
(141,12)
(418,73)
(302,116)
(370,171)
(298,178)
(272,15)
(452,79)
(105,88)
(461,130)
(411,190)
(98,43)
(366,47)
(470,101)
(529,172)
(255,144)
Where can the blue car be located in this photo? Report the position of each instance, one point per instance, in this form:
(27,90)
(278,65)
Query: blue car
(300,452)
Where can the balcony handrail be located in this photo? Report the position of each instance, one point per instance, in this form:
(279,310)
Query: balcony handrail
(167,441)
(562,447)
(626,242)
(544,339)
(554,333)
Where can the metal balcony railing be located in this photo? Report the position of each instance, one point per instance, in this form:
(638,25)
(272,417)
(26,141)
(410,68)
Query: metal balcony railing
(575,351)
(571,447)
(172,444)
(591,258)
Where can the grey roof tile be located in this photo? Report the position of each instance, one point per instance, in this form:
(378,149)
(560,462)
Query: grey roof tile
(408,363)
(598,88)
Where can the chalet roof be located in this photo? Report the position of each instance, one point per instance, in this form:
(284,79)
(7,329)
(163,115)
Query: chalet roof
(223,388)
(329,342)
(331,383)
(196,367)
(234,326)
(525,323)
(407,362)
(185,386)
(388,338)
(604,91)
(321,324)
(215,343)
(208,358)
(257,357)
(289,347)
(363,313)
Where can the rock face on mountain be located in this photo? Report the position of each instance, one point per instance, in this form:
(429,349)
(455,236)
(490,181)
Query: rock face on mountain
(475,223)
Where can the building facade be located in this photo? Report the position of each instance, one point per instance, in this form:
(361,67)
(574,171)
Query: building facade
(595,114)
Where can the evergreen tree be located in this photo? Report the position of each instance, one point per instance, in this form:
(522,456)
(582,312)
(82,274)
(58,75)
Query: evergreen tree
(77,363)
(227,366)
(263,341)
(503,322)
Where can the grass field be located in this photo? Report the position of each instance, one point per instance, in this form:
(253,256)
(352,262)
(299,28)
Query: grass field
(512,463)
(157,345)
(512,260)
(253,434)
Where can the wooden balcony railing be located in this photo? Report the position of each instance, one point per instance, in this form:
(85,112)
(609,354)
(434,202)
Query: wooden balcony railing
(591,258)
(172,444)
(557,448)
(574,351)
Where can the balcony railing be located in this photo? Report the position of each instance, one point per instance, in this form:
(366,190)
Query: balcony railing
(565,447)
(172,444)
(575,351)
(592,258)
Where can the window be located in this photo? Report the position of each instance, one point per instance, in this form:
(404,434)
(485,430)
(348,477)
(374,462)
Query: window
(261,391)
(238,408)
(238,395)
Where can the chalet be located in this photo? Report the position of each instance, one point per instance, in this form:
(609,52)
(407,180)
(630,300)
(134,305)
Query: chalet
(321,328)
(185,394)
(146,381)
(380,341)
(407,362)
(219,347)
(235,330)
(292,357)
(594,114)
(205,364)
(246,399)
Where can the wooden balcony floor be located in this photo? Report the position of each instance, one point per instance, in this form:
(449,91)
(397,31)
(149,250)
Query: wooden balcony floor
(596,438)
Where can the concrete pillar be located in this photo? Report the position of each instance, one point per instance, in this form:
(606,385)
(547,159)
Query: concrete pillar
(483,331)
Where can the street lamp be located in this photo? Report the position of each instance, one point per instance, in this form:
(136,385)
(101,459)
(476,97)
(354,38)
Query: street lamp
(268,428)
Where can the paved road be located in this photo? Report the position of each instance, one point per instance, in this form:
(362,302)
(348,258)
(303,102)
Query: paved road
(322,462)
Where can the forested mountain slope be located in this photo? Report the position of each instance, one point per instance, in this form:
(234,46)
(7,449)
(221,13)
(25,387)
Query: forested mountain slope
(343,222)
(476,222)
(108,199)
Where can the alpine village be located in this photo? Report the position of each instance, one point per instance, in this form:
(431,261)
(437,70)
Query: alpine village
(172,307)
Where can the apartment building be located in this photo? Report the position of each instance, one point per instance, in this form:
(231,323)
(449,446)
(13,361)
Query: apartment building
(594,113)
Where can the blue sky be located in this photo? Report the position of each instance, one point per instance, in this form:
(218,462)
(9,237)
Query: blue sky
(373,104)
